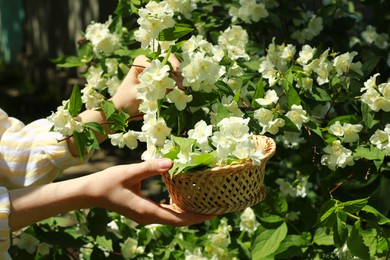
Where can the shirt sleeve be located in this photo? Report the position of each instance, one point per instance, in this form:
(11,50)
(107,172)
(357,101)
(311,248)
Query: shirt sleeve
(4,225)
(31,154)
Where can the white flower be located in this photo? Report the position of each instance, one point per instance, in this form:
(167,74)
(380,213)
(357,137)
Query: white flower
(183,6)
(155,230)
(230,104)
(113,225)
(248,221)
(153,18)
(112,65)
(200,71)
(371,98)
(223,146)
(243,150)
(268,71)
(121,139)
(235,128)
(297,115)
(337,156)
(351,132)
(179,98)
(234,40)
(381,139)
(248,11)
(343,253)
(156,130)
(305,83)
(113,85)
(273,126)
(370,34)
(299,189)
(336,129)
(91,97)
(103,41)
(376,97)
(314,27)
(293,215)
(195,255)
(218,242)
(201,132)
(154,82)
(143,36)
(27,242)
(286,189)
(290,139)
(185,155)
(287,52)
(44,249)
(264,116)
(95,79)
(63,122)
(130,248)
(370,83)
(306,54)
(343,62)
(271,97)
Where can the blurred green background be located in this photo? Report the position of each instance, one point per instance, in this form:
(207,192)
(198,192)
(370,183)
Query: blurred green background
(31,33)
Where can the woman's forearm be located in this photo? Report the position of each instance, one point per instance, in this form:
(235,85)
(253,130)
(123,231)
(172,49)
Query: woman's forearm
(29,205)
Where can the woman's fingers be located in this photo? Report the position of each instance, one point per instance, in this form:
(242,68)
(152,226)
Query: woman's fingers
(150,212)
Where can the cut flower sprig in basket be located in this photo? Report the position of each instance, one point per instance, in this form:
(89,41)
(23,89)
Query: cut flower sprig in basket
(203,122)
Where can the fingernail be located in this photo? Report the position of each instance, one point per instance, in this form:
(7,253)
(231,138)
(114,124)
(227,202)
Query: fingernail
(165,164)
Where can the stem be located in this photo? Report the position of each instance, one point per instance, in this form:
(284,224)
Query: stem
(135,65)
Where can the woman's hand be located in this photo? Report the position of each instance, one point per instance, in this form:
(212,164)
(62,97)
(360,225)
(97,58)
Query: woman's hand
(126,96)
(116,188)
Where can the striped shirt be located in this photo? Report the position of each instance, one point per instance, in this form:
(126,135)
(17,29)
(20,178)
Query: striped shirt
(29,155)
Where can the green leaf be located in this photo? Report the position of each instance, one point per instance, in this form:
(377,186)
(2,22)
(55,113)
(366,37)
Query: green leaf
(356,243)
(340,230)
(222,112)
(94,126)
(176,32)
(224,88)
(368,116)
(327,214)
(272,219)
(382,219)
(322,238)
(291,246)
(370,153)
(311,125)
(108,109)
(204,159)
(93,142)
(81,142)
(291,93)
(319,94)
(259,93)
(104,242)
(75,101)
(268,241)
(69,62)
(85,52)
(345,119)
(370,64)
(354,206)
(289,125)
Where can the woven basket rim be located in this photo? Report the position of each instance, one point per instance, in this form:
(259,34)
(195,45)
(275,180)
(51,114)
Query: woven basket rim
(270,151)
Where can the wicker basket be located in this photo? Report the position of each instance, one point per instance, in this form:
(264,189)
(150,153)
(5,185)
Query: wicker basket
(222,189)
